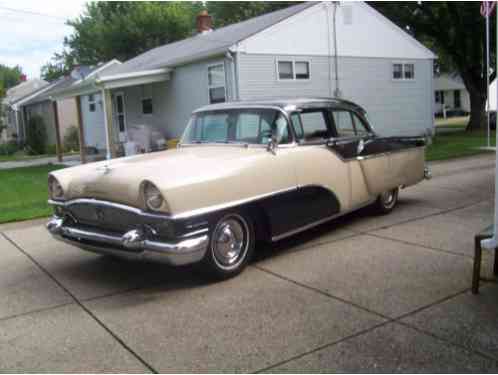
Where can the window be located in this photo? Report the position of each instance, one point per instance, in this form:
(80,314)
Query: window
(216,83)
(403,71)
(359,125)
(456,96)
(439,97)
(147,106)
(252,126)
(302,70)
(293,70)
(409,71)
(313,125)
(343,123)
(91,103)
(285,70)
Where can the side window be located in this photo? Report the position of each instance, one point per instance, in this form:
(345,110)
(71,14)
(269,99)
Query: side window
(343,123)
(361,129)
(298,127)
(314,125)
(247,126)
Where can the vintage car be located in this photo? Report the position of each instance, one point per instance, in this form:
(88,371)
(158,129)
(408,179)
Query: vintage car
(243,171)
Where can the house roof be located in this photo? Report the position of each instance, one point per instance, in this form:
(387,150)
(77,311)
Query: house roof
(23,90)
(76,84)
(206,44)
(447,81)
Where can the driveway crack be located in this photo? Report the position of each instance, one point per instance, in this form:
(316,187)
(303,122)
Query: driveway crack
(80,304)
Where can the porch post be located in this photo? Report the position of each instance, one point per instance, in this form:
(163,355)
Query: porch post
(58,144)
(107,104)
(80,130)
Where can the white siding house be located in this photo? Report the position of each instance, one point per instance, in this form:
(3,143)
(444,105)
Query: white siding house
(308,50)
(450,93)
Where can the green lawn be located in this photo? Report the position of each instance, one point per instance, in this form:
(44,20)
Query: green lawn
(23,193)
(448,145)
(21,155)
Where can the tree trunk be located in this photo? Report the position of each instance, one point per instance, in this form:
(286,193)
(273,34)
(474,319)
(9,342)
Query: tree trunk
(477,110)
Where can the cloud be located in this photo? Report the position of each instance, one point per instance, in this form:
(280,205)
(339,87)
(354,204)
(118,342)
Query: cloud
(30,40)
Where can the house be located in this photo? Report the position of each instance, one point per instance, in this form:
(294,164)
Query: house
(450,95)
(310,49)
(81,85)
(60,115)
(13,116)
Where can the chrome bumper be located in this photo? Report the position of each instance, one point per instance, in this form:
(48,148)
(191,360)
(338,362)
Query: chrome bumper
(132,245)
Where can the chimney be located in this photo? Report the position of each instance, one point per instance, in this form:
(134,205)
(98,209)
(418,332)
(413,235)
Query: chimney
(204,22)
(23,78)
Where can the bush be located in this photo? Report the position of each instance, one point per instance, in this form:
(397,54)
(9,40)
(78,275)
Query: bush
(51,149)
(9,148)
(72,139)
(36,136)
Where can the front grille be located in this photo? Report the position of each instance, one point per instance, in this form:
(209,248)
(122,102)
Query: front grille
(104,217)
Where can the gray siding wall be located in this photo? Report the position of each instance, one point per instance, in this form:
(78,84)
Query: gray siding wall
(173,100)
(394,107)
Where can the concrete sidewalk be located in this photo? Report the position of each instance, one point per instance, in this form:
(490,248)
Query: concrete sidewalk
(361,294)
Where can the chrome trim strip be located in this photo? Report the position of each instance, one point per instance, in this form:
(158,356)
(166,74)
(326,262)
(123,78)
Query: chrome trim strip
(321,221)
(120,206)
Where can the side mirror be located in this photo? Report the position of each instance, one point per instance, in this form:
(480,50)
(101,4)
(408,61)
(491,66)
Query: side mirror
(272,145)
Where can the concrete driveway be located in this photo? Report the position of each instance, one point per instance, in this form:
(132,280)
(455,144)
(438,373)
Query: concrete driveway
(361,294)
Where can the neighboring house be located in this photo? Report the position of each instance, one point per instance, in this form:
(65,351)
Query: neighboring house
(89,104)
(45,106)
(15,119)
(310,49)
(450,93)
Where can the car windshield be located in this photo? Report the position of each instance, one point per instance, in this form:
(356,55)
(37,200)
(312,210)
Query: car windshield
(245,126)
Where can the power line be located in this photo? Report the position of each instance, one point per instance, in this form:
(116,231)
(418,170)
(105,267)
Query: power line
(31,12)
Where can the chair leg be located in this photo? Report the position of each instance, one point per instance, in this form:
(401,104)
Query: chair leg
(476,275)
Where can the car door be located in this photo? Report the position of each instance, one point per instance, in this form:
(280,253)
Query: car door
(323,177)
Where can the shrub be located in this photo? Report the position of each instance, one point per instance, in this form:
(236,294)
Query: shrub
(9,148)
(71,139)
(51,149)
(36,136)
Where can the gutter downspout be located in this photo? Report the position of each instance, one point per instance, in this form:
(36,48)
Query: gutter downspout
(337,92)
(235,58)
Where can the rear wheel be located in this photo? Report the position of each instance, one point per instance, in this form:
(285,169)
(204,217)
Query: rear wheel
(387,201)
(231,246)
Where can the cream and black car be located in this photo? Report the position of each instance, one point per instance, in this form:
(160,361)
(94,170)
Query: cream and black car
(243,171)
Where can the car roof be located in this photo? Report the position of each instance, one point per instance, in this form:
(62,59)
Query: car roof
(286,104)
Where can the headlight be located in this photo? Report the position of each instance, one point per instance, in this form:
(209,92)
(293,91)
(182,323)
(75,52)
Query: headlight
(54,188)
(152,196)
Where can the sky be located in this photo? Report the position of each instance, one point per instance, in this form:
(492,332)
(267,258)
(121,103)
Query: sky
(29,39)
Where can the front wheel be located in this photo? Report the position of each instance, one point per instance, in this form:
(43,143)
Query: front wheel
(386,202)
(231,246)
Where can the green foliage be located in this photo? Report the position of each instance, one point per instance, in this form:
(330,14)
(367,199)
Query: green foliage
(455,31)
(71,139)
(9,148)
(36,140)
(9,77)
(55,69)
(227,12)
(122,30)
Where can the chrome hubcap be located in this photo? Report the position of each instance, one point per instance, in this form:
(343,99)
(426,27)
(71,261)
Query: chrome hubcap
(229,242)
(389,198)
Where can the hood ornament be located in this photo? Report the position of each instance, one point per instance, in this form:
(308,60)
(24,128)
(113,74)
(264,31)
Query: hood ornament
(104,168)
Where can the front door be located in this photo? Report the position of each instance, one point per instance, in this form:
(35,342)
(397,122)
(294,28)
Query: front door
(119,115)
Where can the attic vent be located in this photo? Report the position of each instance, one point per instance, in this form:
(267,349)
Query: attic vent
(347,14)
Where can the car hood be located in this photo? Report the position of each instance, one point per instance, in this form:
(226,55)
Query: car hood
(178,173)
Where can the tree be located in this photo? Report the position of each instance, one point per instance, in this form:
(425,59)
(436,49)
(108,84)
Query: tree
(227,12)
(9,77)
(122,30)
(455,31)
